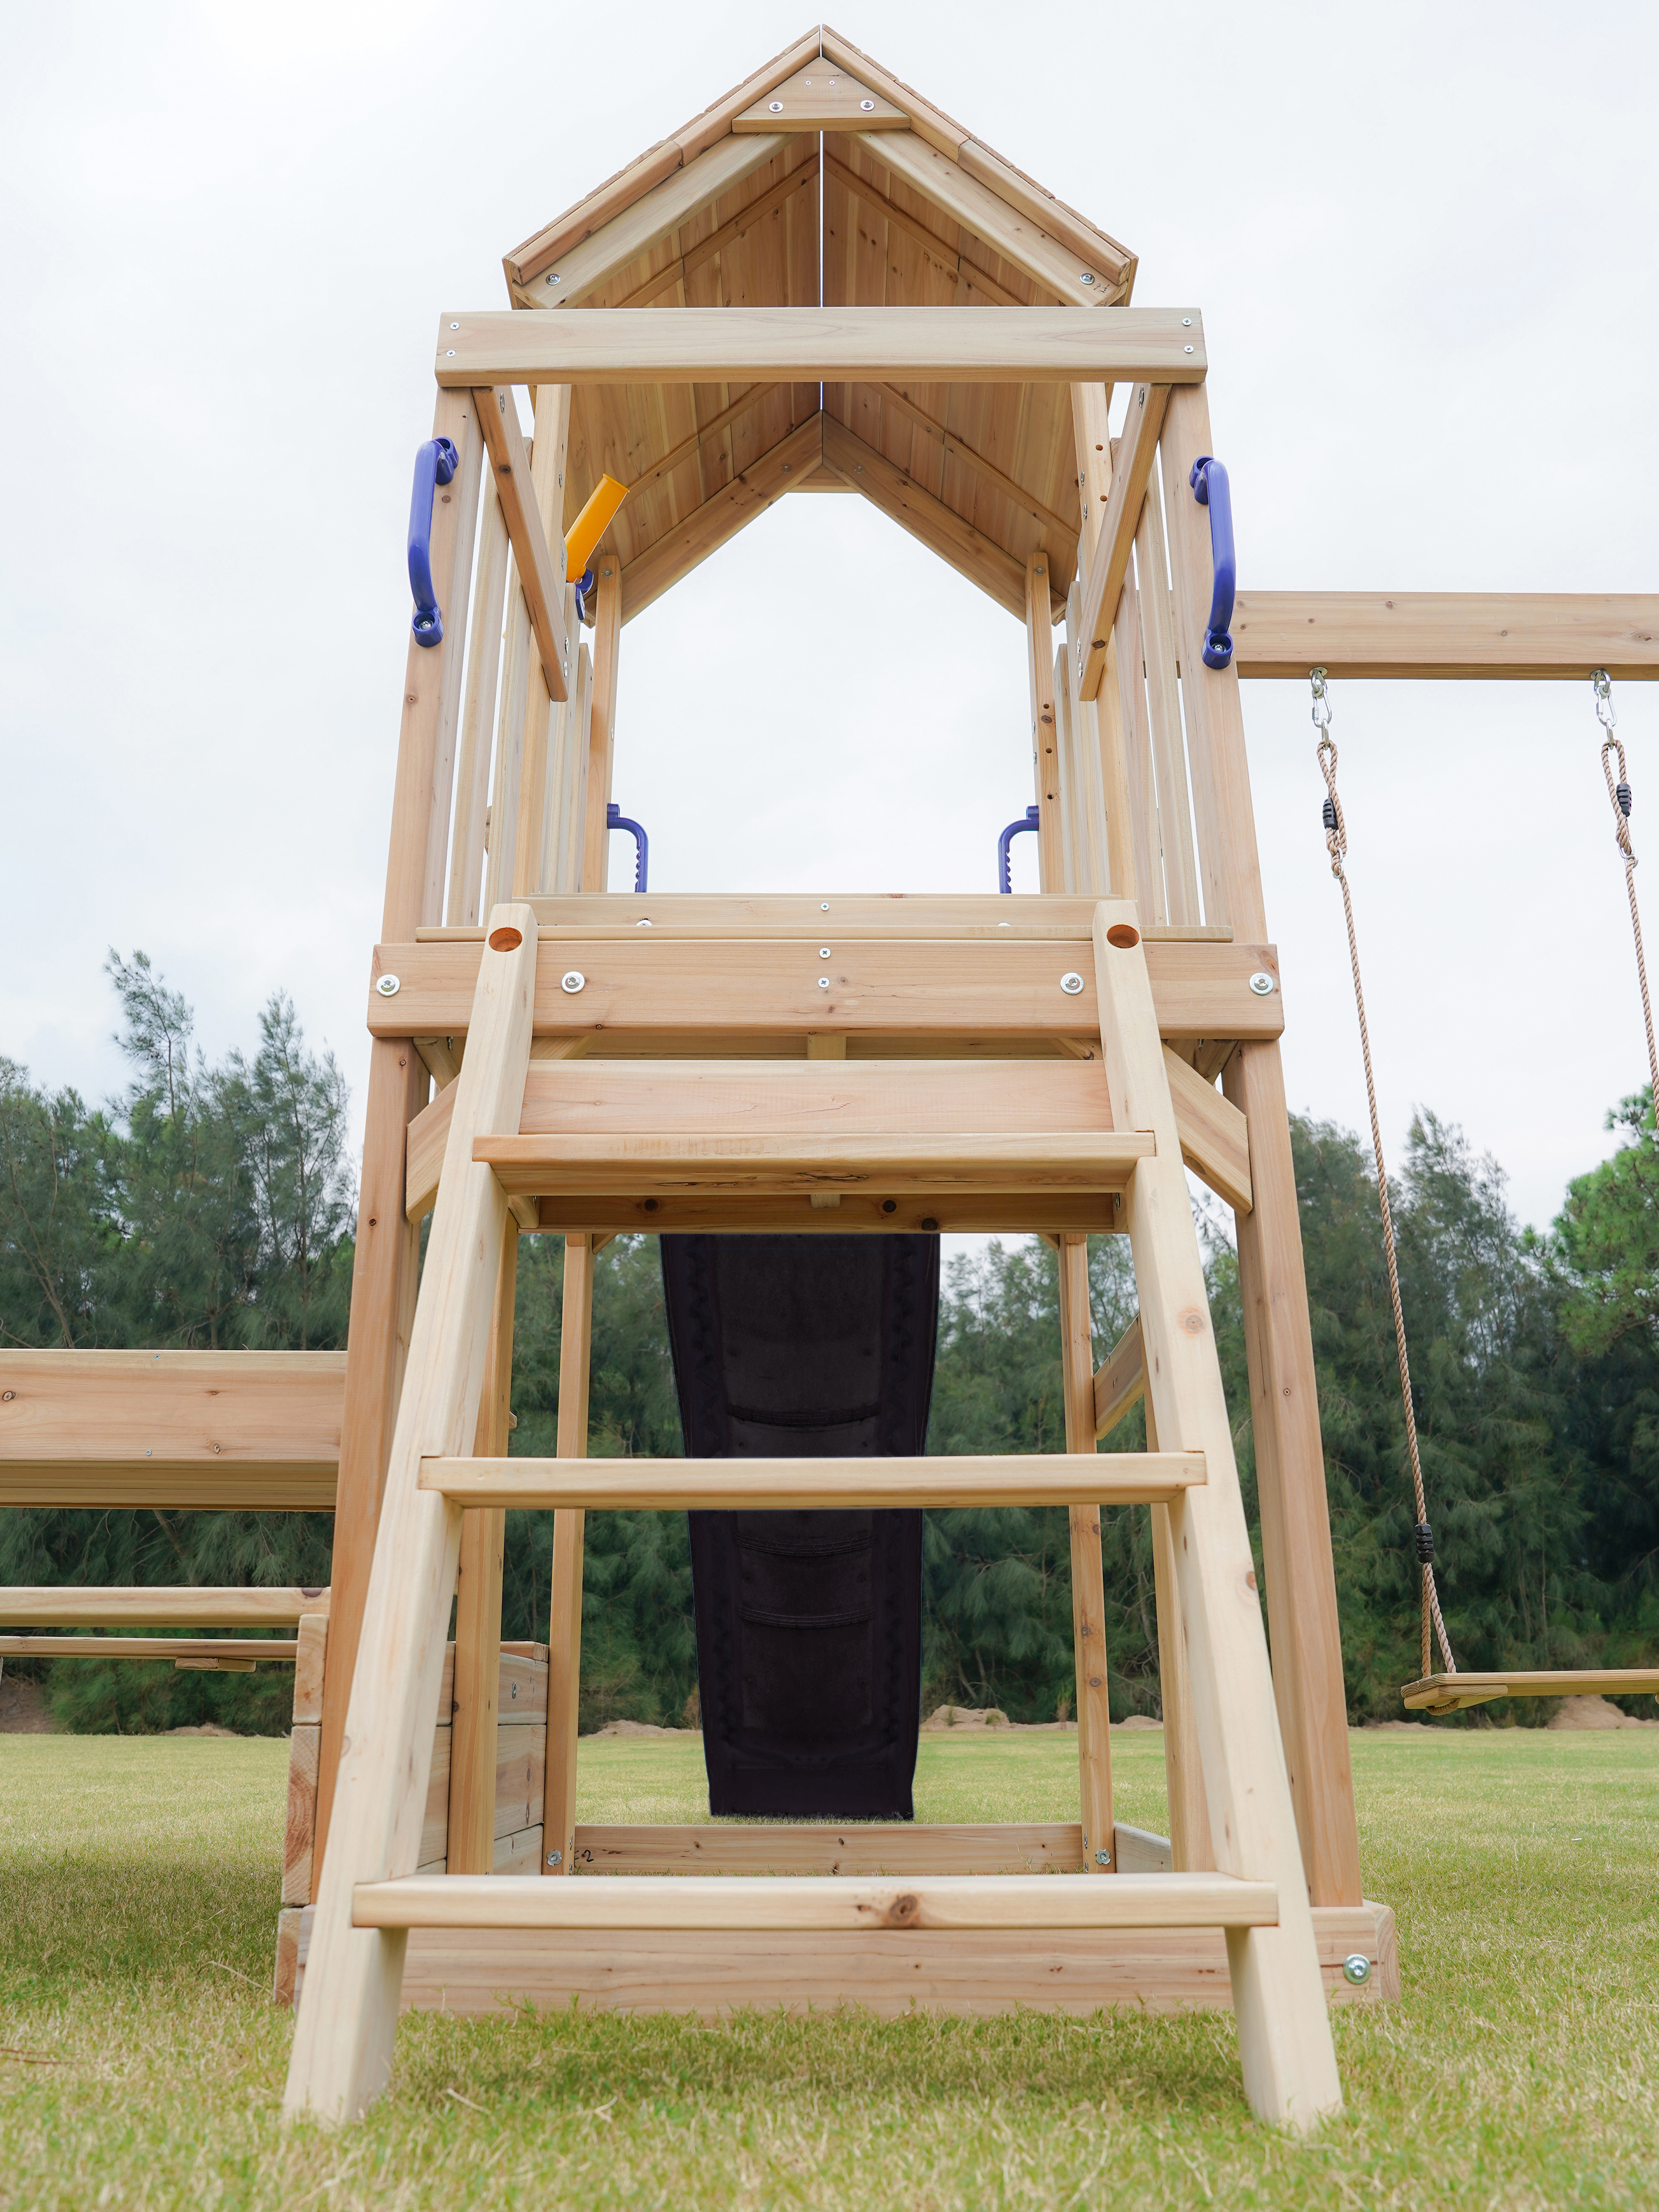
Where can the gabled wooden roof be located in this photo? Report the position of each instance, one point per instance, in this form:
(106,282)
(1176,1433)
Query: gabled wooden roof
(823,178)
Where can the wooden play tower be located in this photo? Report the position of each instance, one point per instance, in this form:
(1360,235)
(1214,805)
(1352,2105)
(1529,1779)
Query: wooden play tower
(823,284)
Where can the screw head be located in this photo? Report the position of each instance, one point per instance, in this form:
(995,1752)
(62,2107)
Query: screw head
(1357,1969)
(823,952)
(642,925)
(823,982)
(775,106)
(454,326)
(1186,322)
(1088,277)
(1103,1858)
(1071,982)
(554,279)
(1187,349)
(388,987)
(555,1858)
(449,353)
(572,981)
(823,905)
(868,106)
(1262,984)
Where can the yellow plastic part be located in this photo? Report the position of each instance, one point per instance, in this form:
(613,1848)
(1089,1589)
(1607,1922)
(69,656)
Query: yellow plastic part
(591,524)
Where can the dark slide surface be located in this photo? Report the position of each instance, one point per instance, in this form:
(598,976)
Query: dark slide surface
(809,1624)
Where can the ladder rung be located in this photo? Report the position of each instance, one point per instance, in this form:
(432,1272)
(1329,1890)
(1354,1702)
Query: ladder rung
(817,1901)
(779,1485)
(540,1165)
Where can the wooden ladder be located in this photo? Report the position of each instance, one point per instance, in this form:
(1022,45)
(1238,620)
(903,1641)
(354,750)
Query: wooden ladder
(369,1897)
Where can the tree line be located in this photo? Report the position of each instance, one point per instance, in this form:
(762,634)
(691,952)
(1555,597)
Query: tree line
(211,1207)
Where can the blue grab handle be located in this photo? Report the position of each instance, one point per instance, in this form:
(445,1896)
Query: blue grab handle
(615,819)
(1211,489)
(435,464)
(1006,881)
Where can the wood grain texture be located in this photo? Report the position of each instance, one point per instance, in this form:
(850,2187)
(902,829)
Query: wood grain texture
(862,1848)
(1020,1212)
(747,345)
(1119,1381)
(1215,1137)
(540,578)
(1433,636)
(1109,564)
(821,97)
(1447,1694)
(201,1648)
(175,1605)
(564,1630)
(1093,1690)
(641,1484)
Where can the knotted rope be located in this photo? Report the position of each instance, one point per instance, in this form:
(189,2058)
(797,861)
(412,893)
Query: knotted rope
(1336,842)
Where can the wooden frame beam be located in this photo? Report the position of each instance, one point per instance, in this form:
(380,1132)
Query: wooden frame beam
(204,1651)
(1109,564)
(1441,635)
(940,528)
(1121,1379)
(542,584)
(708,527)
(1215,1138)
(188,1605)
(833,345)
(725,1486)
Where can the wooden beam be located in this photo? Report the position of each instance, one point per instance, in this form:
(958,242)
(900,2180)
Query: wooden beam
(191,1605)
(943,251)
(904,987)
(859,1847)
(205,1651)
(753,397)
(725,1486)
(929,123)
(474,1700)
(821,97)
(1093,1690)
(539,578)
(784,1902)
(1093,1213)
(940,528)
(1113,263)
(888,914)
(564,1630)
(602,722)
(1447,1694)
(1027,502)
(1036,609)
(1215,1138)
(719,518)
(836,345)
(1437,635)
(1109,564)
(1119,1381)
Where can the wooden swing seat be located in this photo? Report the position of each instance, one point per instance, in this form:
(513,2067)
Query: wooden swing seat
(1449,1693)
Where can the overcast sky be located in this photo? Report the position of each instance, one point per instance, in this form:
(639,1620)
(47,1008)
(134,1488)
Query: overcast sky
(1422,238)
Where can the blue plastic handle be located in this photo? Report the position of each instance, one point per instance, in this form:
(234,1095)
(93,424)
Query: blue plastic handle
(1211,489)
(615,819)
(435,464)
(1006,882)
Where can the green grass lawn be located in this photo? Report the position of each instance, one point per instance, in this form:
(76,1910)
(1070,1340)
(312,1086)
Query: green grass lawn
(142,2065)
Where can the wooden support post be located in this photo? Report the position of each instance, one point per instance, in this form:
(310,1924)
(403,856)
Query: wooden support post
(602,722)
(541,702)
(503,871)
(1143,829)
(1163,693)
(1094,1707)
(1098,748)
(471,1846)
(571,844)
(1045,753)
(1184,1771)
(564,1632)
(484,661)
(342,2054)
(385,1263)
(1284,2032)
(1290,1461)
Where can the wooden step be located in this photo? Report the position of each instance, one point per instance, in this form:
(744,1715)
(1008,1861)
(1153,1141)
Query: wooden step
(727,1485)
(817,1901)
(1449,1694)
(895,1165)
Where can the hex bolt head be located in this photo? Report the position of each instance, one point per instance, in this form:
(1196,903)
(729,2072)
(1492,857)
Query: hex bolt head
(1103,1858)
(555,1858)
(572,981)
(388,987)
(1071,982)
(1357,1969)
(1262,984)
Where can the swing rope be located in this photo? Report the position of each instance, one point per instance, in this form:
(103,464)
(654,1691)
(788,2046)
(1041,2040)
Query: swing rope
(1336,842)
(1619,795)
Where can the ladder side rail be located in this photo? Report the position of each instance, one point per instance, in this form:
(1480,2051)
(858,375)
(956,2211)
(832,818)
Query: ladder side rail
(1094,1704)
(341,2053)
(564,1628)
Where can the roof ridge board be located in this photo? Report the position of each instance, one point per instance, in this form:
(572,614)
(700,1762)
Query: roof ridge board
(636,178)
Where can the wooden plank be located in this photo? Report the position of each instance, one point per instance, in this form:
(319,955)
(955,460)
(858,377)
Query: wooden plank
(502,870)
(1119,1381)
(788,1902)
(539,579)
(821,97)
(484,1971)
(1112,263)
(1190,1847)
(1284,2042)
(310,1661)
(940,528)
(171,1605)
(973,286)
(647,1485)
(720,517)
(929,123)
(475,1671)
(1048,1214)
(1437,636)
(1125,658)
(1045,746)
(907,987)
(844,345)
(300,1818)
(862,1848)
(653,220)
(484,660)
(245,1419)
(1215,1138)
(514,1800)
(1446,1693)
(542,1166)
(602,722)
(1109,564)
(957,449)
(989,217)
(1094,1704)
(887,914)
(1168,744)
(342,2042)
(283,1650)
(564,1633)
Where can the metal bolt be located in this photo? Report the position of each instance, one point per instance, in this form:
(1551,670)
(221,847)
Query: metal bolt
(1357,1969)
(1088,277)
(775,106)
(572,982)
(555,1858)
(868,106)
(454,326)
(554,280)
(1103,1858)
(823,982)
(388,987)
(449,353)
(1186,322)
(1262,984)
(1071,982)
(1187,349)
(823,905)
(1004,925)
(642,925)
(823,952)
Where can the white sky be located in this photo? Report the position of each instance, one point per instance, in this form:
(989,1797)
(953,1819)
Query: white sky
(1422,241)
